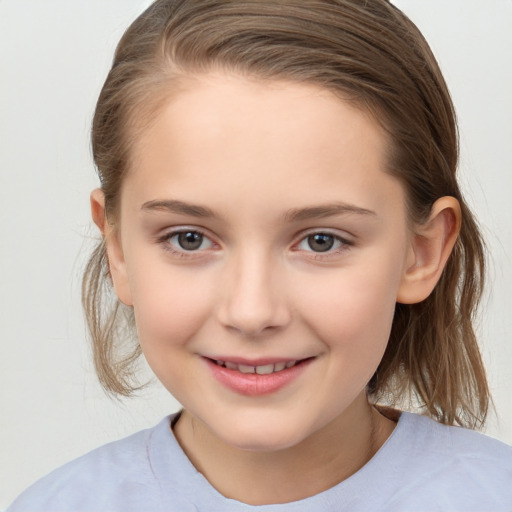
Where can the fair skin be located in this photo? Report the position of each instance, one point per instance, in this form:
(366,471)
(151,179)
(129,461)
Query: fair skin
(298,248)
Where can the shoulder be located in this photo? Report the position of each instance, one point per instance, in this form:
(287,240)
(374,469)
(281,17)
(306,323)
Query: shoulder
(453,468)
(449,442)
(117,475)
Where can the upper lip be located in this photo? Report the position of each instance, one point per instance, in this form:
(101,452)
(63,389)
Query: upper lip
(261,361)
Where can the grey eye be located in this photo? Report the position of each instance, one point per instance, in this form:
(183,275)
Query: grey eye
(189,240)
(320,242)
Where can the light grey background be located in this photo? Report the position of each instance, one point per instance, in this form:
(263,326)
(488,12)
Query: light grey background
(54,56)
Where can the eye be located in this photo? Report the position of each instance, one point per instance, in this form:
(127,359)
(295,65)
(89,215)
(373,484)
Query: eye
(188,241)
(322,242)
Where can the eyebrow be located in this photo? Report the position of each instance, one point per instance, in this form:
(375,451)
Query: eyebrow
(293,215)
(180,207)
(325,210)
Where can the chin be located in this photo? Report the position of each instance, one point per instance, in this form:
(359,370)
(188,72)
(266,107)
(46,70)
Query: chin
(258,437)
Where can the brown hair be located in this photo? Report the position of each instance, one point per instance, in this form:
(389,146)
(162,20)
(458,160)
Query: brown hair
(366,51)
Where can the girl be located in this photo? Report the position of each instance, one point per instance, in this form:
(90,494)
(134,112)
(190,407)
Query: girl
(283,230)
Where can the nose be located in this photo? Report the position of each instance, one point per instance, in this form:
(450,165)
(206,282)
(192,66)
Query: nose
(254,296)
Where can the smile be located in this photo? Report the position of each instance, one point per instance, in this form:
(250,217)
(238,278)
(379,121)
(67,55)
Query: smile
(265,369)
(257,379)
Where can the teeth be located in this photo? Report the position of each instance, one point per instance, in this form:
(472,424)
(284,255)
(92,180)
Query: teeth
(246,369)
(266,369)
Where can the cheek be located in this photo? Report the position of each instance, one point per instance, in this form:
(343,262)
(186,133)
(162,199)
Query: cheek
(170,307)
(169,304)
(354,310)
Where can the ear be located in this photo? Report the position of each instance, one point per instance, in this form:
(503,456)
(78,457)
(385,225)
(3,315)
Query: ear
(116,263)
(430,247)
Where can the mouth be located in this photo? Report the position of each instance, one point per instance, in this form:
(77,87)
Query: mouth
(254,378)
(264,369)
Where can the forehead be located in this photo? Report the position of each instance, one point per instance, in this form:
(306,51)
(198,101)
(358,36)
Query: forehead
(225,135)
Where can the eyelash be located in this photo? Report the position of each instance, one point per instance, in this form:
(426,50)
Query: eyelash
(165,241)
(343,246)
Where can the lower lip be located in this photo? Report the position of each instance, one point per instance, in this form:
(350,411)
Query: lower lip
(253,384)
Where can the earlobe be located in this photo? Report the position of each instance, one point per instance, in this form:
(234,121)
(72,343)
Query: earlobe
(430,247)
(116,262)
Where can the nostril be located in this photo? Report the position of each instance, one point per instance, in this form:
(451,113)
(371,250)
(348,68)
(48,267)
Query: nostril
(253,303)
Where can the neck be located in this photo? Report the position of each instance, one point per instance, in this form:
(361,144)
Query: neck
(295,473)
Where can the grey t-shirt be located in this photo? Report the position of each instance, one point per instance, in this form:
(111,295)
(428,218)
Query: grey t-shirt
(422,467)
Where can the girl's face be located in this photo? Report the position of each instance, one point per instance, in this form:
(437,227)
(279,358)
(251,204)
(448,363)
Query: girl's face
(259,230)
